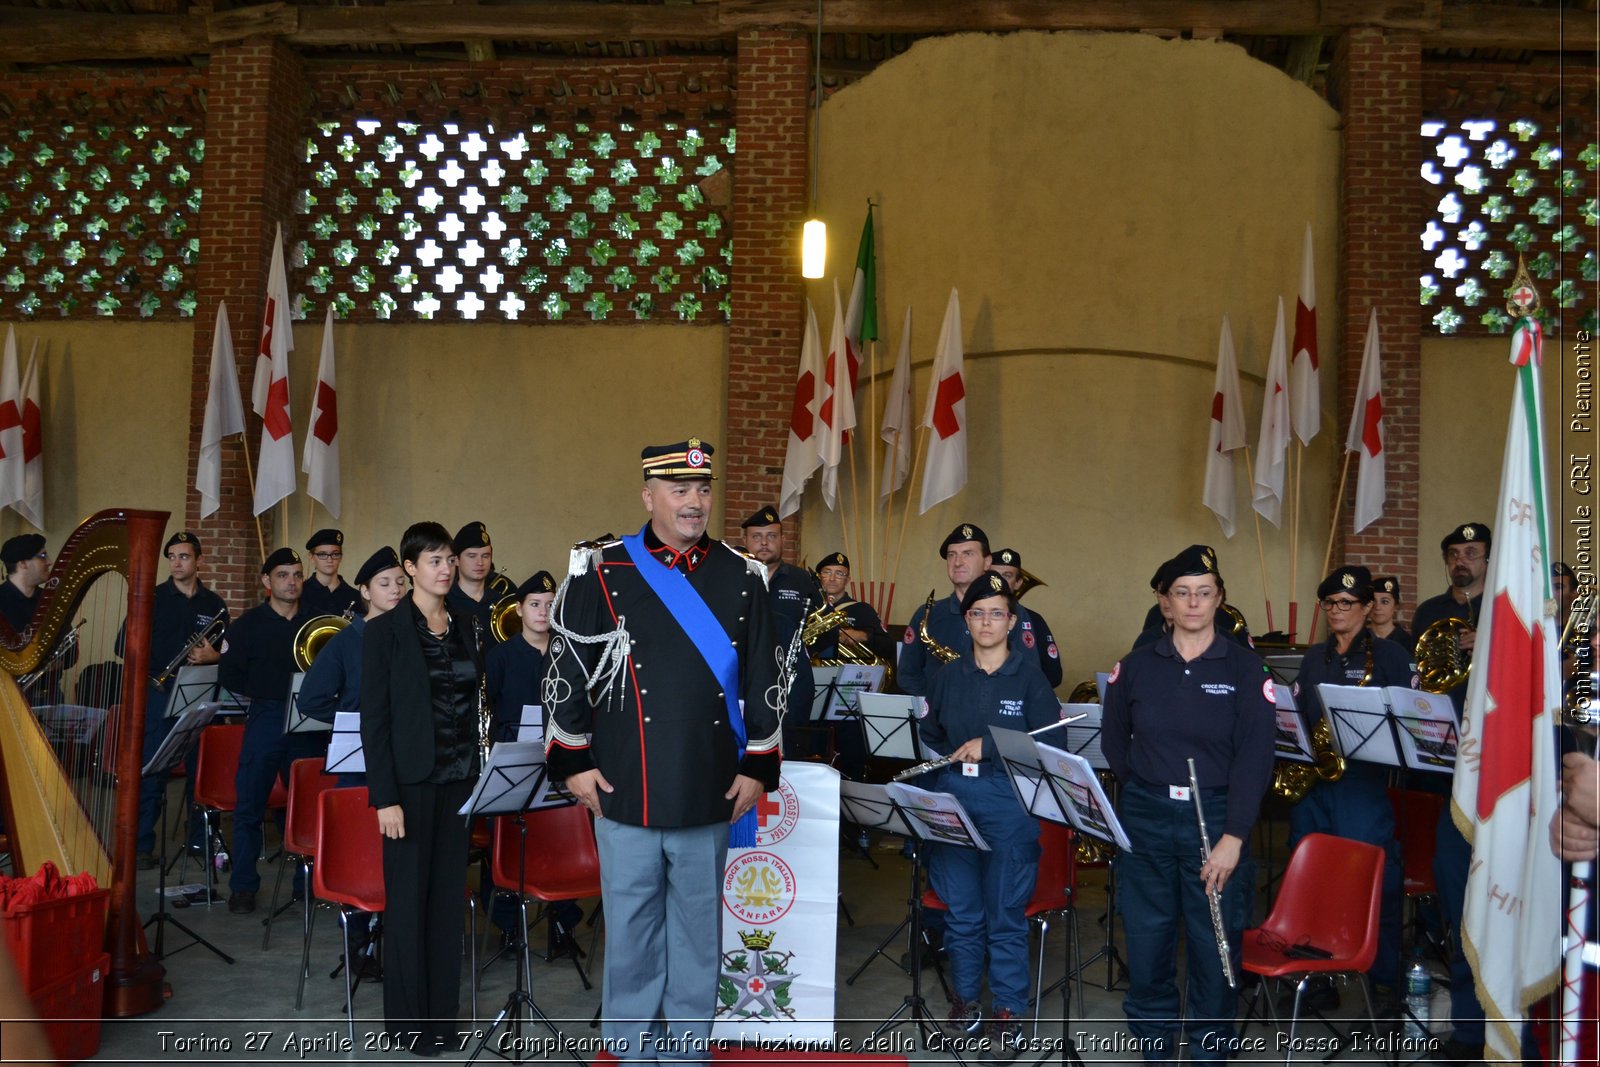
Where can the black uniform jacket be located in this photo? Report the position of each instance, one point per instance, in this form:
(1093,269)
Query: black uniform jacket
(660,733)
(397,701)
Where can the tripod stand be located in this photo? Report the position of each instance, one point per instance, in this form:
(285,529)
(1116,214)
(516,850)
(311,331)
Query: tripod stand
(184,736)
(520,999)
(914,1006)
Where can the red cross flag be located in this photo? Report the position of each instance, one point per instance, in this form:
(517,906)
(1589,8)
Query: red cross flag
(12,473)
(946,414)
(897,429)
(321,457)
(224,415)
(802,458)
(1227,434)
(1272,447)
(1305,369)
(838,408)
(31,506)
(275,477)
(1505,789)
(1366,433)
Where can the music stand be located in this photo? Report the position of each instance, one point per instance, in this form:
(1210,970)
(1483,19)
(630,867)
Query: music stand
(1361,723)
(296,721)
(1425,726)
(185,734)
(1037,791)
(843,691)
(513,778)
(889,726)
(194,684)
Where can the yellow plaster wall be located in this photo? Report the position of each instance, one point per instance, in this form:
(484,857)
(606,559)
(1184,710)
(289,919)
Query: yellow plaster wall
(1100,201)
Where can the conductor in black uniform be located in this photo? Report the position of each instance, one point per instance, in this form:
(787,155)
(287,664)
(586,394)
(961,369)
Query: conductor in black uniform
(326,592)
(644,724)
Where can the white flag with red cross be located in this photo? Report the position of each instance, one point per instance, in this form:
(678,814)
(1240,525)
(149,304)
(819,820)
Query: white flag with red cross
(1505,789)
(31,506)
(802,457)
(321,458)
(1272,446)
(224,415)
(275,476)
(945,414)
(1305,369)
(1227,434)
(1366,433)
(838,408)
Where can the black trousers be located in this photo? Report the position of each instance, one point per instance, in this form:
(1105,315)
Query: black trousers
(425,881)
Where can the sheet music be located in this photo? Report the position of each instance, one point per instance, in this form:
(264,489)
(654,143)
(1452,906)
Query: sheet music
(507,783)
(71,723)
(1427,728)
(938,817)
(1361,723)
(1291,742)
(531,729)
(844,693)
(1083,736)
(183,735)
(345,755)
(1088,808)
(297,721)
(1101,680)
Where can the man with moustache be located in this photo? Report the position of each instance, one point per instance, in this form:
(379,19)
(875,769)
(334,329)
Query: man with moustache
(662,701)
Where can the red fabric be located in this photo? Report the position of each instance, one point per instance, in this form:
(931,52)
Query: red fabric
(44,884)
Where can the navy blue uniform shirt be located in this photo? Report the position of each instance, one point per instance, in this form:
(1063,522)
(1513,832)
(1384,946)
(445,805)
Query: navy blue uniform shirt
(516,674)
(176,618)
(1445,606)
(495,587)
(16,608)
(333,683)
(918,667)
(1036,635)
(965,700)
(1218,709)
(318,599)
(258,661)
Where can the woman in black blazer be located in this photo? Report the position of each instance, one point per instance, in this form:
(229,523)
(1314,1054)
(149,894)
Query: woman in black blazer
(420,671)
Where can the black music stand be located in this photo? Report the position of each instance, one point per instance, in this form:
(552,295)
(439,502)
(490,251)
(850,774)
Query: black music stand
(179,742)
(513,778)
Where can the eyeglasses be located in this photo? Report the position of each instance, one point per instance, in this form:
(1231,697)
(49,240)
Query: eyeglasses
(42,555)
(1331,606)
(1201,595)
(328,555)
(1465,555)
(994,615)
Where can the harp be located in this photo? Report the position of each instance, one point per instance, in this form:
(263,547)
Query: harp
(70,750)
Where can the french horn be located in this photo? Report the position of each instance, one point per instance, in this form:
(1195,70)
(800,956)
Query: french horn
(503,618)
(1441,663)
(316,632)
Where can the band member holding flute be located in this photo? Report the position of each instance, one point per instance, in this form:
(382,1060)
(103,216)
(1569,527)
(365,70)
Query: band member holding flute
(992,684)
(422,722)
(1192,694)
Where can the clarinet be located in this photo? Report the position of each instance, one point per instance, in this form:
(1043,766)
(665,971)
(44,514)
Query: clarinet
(1213,898)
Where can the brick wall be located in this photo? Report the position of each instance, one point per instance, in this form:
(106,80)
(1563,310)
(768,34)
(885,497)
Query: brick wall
(1378,81)
(769,203)
(253,116)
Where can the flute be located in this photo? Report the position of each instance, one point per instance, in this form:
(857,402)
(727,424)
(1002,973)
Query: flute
(945,761)
(1213,898)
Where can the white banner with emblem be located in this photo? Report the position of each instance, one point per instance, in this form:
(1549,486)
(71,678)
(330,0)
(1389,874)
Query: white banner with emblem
(780,916)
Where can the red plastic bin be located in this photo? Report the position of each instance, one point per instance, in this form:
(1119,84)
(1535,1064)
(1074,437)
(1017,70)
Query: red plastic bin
(55,938)
(70,1010)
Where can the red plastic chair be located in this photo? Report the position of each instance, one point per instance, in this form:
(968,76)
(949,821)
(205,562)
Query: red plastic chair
(307,783)
(1416,824)
(562,864)
(349,868)
(216,767)
(1329,899)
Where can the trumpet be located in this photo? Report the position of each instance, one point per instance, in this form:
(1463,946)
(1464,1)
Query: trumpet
(945,761)
(211,629)
(1213,898)
(68,643)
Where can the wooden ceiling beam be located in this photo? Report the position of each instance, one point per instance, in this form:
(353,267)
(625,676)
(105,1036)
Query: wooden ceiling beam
(30,36)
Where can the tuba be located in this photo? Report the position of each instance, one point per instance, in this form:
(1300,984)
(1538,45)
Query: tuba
(942,653)
(504,619)
(316,632)
(1441,664)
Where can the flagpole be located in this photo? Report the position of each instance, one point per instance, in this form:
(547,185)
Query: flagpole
(1294,539)
(1333,529)
(855,497)
(1261,552)
(872,467)
(888,507)
(905,514)
(250,471)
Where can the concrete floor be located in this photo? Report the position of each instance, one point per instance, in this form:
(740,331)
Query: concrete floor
(245,1012)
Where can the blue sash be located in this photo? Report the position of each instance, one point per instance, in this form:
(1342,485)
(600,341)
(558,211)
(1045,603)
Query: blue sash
(706,634)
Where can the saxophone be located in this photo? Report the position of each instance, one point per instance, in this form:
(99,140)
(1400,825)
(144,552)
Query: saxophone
(1291,779)
(942,653)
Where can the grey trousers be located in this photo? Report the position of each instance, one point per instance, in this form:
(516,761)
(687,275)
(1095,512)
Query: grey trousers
(662,891)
